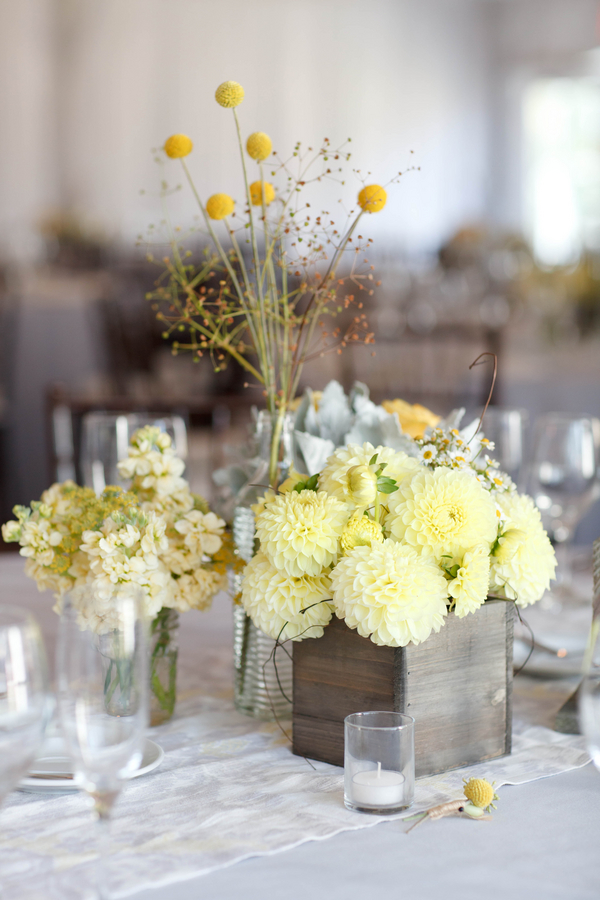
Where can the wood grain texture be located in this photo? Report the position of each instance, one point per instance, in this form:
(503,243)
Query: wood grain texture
(457,685)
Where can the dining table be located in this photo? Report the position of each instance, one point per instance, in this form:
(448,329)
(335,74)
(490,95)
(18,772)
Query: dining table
(232,813)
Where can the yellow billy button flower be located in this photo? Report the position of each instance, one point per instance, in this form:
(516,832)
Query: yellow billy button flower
(508,544)
(360,532)
(372,198)
(219,205)
(362,485)
(229,94)
(178,145)
(480,792)
(256,193)
(259,146)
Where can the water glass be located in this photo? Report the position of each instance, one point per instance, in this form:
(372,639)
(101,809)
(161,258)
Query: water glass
(379,762)
(25,703)
(589,695)
(105,440)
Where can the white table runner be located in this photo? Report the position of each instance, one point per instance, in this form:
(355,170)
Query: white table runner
(229,788)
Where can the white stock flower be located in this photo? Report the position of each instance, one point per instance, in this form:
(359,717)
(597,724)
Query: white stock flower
(201,532)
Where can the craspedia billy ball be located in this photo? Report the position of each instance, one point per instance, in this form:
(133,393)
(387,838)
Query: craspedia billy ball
(229,94)
(256,194)
(259,146)
(178,145)
(372,198)
(219,205)
(480,792)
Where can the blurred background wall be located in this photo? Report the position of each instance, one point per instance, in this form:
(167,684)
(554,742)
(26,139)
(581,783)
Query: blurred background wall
(497,234)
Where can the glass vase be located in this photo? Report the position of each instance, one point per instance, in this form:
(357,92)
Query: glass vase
(263,675)
(164,647)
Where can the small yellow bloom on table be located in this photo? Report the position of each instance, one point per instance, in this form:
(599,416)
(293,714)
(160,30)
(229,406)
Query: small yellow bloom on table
(258,189)
(178,145)
(480,792)
(229,94)
(259,146)
(372,198)
(219,205)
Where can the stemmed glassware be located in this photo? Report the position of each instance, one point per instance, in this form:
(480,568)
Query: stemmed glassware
(563,479)
(25,704)
(103,694)
(508,429)
(105,439)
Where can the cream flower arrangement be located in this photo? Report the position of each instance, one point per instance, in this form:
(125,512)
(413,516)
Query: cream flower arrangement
(393,542)
(158,535)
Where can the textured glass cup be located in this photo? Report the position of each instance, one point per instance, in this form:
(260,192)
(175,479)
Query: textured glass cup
(379,762)
(507,428)
(589,695)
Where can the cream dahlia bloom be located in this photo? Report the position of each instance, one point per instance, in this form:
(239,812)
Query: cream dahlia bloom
(469,588)
(336,477)
(443,511)
(300,532)
(526,573)
(273,599)
(390,593)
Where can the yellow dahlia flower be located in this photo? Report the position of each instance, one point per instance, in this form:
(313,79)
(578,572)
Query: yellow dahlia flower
(372,198)
(178,145)
(219,205)
(443,511)
(470,586)
(414,418)
(390,594)
(274,599)
(259,146)
(300,532)
(229,94)
(361,531)
(256,193)
(362,485)
(334,477)
(526,573)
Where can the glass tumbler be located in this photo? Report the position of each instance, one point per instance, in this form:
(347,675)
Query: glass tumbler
(379,762)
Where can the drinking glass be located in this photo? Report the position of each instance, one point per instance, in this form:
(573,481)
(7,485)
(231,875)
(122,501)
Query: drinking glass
(563,478)
(507,428)
(25,703)
(105,440)
(589,695)
(102,668)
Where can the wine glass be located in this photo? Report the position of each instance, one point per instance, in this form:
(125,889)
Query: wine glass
(105,440)
(507,428)
(25,704)
(589,694)
(102,670)
(563,479)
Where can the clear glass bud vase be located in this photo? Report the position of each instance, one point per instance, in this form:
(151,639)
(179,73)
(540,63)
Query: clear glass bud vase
(164,647)
(263,685)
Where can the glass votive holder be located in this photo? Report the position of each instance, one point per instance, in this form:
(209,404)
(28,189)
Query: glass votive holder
(379,762)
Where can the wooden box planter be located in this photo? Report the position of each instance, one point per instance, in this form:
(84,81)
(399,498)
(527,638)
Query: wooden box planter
(457,684)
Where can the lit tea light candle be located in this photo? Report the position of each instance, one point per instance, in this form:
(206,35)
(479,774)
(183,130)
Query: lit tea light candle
(378,788)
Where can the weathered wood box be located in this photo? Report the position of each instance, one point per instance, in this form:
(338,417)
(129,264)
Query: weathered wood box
(457,685)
